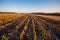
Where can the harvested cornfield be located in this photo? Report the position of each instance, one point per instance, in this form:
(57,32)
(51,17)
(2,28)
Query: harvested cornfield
(28,27)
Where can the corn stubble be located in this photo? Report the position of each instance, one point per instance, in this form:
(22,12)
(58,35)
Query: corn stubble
(27,27)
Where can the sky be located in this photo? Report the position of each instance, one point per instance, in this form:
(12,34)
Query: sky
(27,6)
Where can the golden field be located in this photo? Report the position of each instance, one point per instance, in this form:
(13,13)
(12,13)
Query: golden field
(14,26)
(4,18)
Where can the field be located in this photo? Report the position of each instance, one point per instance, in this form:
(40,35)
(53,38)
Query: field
(21,26)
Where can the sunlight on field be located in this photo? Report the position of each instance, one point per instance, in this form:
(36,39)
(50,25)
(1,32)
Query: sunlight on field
(56,18)
(6,18)
(29,27)
(9,17)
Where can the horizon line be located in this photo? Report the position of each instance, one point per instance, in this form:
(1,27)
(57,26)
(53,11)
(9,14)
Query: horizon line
(30,12)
